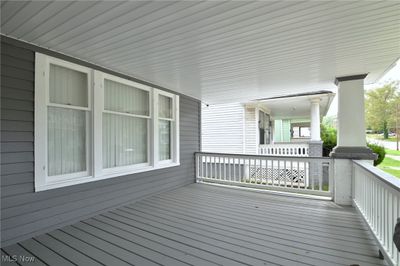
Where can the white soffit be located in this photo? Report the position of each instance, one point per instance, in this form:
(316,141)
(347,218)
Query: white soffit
(218,51)
(298,107)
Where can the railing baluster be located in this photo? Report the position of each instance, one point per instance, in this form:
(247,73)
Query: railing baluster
(225,170)
(219,166)
(206,157)
(394,219)
(273,172)
(214,166)
(239,169)
(229,169)
(298,175)
(234,169)
(210,166)
(321,176)
(291,173)
(279,173)
(398,215)
(284,174)
(202,166)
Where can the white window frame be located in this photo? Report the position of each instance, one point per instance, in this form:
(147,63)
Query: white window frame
(101,77)
(94,139)
(42,102)
(174,127)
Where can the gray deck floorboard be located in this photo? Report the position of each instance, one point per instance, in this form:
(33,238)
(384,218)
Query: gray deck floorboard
(210,225)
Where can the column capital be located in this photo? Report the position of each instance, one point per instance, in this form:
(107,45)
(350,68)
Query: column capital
(347,78)
(315,100)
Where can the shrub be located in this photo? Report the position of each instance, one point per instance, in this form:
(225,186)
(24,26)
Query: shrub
(328,136)
(378,150)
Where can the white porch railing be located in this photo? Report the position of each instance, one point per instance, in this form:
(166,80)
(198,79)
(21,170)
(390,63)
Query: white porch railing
(284,149)
(376,195)
(306,175)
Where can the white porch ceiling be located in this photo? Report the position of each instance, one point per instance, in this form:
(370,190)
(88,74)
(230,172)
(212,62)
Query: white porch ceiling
(298,107)
(218,51)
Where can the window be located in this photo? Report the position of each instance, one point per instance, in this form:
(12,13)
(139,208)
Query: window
(91,125)
(301,132)
(166,126)
(126,123)
(264,128)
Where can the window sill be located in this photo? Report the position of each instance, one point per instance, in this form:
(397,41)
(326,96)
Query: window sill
(87,179)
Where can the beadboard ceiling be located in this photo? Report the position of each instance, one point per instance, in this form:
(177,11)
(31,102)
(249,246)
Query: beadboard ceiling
(295,107)
(218,51)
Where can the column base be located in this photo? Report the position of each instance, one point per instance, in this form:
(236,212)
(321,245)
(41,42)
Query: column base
(357,153)
(315,148)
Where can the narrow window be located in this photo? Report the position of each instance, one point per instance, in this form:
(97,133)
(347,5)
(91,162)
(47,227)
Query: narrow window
(165,126)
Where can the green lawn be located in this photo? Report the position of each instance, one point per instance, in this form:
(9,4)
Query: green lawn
(392,152)
(388,163)
(393,172)
(380,137)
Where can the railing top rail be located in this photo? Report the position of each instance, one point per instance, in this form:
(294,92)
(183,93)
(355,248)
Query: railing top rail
(286,143)
(379,174)
(297,158)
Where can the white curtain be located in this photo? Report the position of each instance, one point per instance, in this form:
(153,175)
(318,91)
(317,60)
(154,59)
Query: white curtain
(68,86)
(125,137)
(124,140)
(164,134)
(125,99)
(66,141)
(66,128)
(164,106)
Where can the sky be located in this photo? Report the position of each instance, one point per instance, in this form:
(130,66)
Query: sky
(391,75)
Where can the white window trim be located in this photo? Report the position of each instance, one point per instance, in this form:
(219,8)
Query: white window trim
(95,171)
(42,101)
(99,128)
(175,128)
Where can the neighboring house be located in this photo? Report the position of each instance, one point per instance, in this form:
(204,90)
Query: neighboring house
(285,125)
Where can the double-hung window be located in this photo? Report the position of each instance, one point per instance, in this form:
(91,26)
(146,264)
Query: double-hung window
(62,121)
(167,125)
(125,124)
(90,125)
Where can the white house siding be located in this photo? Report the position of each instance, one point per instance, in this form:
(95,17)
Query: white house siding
(250,130)
(222,128)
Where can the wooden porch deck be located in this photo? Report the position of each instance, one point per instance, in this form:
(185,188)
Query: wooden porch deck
(209,225)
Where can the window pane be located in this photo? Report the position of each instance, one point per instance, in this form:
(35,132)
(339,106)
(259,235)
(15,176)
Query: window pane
(124,140)
(66,141)
(164,106)
(305,132)
(164,134)
(122,98)
(68,86)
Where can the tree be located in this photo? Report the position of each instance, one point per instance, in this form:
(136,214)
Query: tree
(380,107)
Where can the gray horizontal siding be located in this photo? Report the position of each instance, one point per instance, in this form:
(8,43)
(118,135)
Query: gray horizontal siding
(25,213)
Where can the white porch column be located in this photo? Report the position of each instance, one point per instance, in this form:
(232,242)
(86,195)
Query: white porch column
(351,118)
(351,142)
(315,120)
